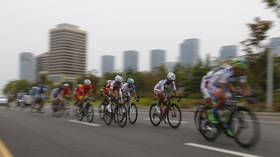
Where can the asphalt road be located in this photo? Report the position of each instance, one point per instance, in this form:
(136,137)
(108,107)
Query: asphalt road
(26,135)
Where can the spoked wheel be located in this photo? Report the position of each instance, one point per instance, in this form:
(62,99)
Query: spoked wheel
(121,115)
(208,130)
(90,115)
(174,116)
(132,113)
(80,115)
(245,127)
(154,115)
(108,116)
(196,116)
(101,110)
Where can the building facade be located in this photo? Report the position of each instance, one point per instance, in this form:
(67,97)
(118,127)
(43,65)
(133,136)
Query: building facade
(27,66)
(189,52)
(42,64)
(130,60)
(67,52)
(157,58)
(108,63)
(228,52)
(169,66)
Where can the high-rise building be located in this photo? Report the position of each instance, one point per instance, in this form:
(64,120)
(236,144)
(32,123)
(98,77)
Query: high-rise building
(42,64)
(27,66)
(189,52)
(68,50)
(169,66)
(274,45)
(228,52)
(157,58)
(131,60)
(107,64)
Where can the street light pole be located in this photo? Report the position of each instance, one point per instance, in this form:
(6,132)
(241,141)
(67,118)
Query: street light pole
(269,87)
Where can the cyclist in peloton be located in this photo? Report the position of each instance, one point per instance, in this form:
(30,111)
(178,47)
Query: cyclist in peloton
(113,89)
(86,89)
(65,93)
(78,95)
(41,93)
(220,86)
(161,87)
(129,90)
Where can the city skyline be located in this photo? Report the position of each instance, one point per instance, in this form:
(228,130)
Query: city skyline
(140,25)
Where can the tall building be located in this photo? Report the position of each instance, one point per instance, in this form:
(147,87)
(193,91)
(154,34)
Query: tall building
(189,52)
(27,66)
(107,64)
(68,50)
(157,58)
(131,60)
(169,66)
(42,64)
(228,52)
(274,45)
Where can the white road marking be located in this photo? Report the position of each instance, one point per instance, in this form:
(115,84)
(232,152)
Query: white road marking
(220,150)
(183,122)
(85,123)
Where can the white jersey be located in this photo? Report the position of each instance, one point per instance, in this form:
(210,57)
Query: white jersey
(126,88)
(163,85)
(206,78)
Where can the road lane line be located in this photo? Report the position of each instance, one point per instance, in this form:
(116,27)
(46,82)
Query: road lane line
(220,150)
(84,123)
(4,151)
(183,122)
(269,122)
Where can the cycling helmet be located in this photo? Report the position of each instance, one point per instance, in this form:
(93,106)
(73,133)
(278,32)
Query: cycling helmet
(118,78)
(42,85)
(130,81)
(239,63)
(87,82)
(34,87)
(171,76)
(66,85)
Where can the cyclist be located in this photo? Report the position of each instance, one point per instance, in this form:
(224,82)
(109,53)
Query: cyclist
(78,95)
(86,91)
(160,90)
(32,93)
(220,86)
(129,90)
(113,89)
(41,93)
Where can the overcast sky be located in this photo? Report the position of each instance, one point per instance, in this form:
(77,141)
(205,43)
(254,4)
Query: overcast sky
(117,25)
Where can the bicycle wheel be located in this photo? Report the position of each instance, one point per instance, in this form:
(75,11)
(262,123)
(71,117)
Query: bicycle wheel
(121,115)
(174,116)
(90,114)
(80,115)
(196,116)
(132,113)
(101,110)
(246,127)
(60,111)
(154,116)
(208,130)
(108,116)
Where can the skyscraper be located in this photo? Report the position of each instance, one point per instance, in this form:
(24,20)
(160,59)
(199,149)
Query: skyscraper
(68,48)
(189,52)
(157,58)
(274,45)
(228,52)
(27,66)
(107,64)
(42,64)
(131,60)
(169,66)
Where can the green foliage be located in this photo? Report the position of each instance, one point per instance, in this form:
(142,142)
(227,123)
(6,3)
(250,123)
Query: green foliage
(16,86)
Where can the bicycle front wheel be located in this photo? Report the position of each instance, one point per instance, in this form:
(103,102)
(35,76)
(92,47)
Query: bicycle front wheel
(155,117)
(90,115)
(121,115)
(101,110)
(174,116)
(132,113)
(108,116)
(246,127)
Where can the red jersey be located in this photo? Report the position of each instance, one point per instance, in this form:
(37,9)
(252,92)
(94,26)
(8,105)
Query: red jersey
(65,92)
(86,89)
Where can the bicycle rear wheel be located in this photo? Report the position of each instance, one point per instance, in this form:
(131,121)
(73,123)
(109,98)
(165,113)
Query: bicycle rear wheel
(174,116)
(132,113)
(121,113)
(208,130)
(154,115)
(246,127)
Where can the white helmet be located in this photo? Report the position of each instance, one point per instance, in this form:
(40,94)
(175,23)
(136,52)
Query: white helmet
(171,76)
(66,85)
(87,82)
(118,78)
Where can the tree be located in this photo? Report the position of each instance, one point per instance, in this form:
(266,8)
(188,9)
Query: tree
(16,86)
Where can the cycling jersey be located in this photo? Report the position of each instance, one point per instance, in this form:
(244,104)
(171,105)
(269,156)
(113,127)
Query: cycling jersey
(204,84)
(40,92)
(65,91)
(78,93)
(163,85)
(112,85)
(54,93)
(86,89)
(128,89)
